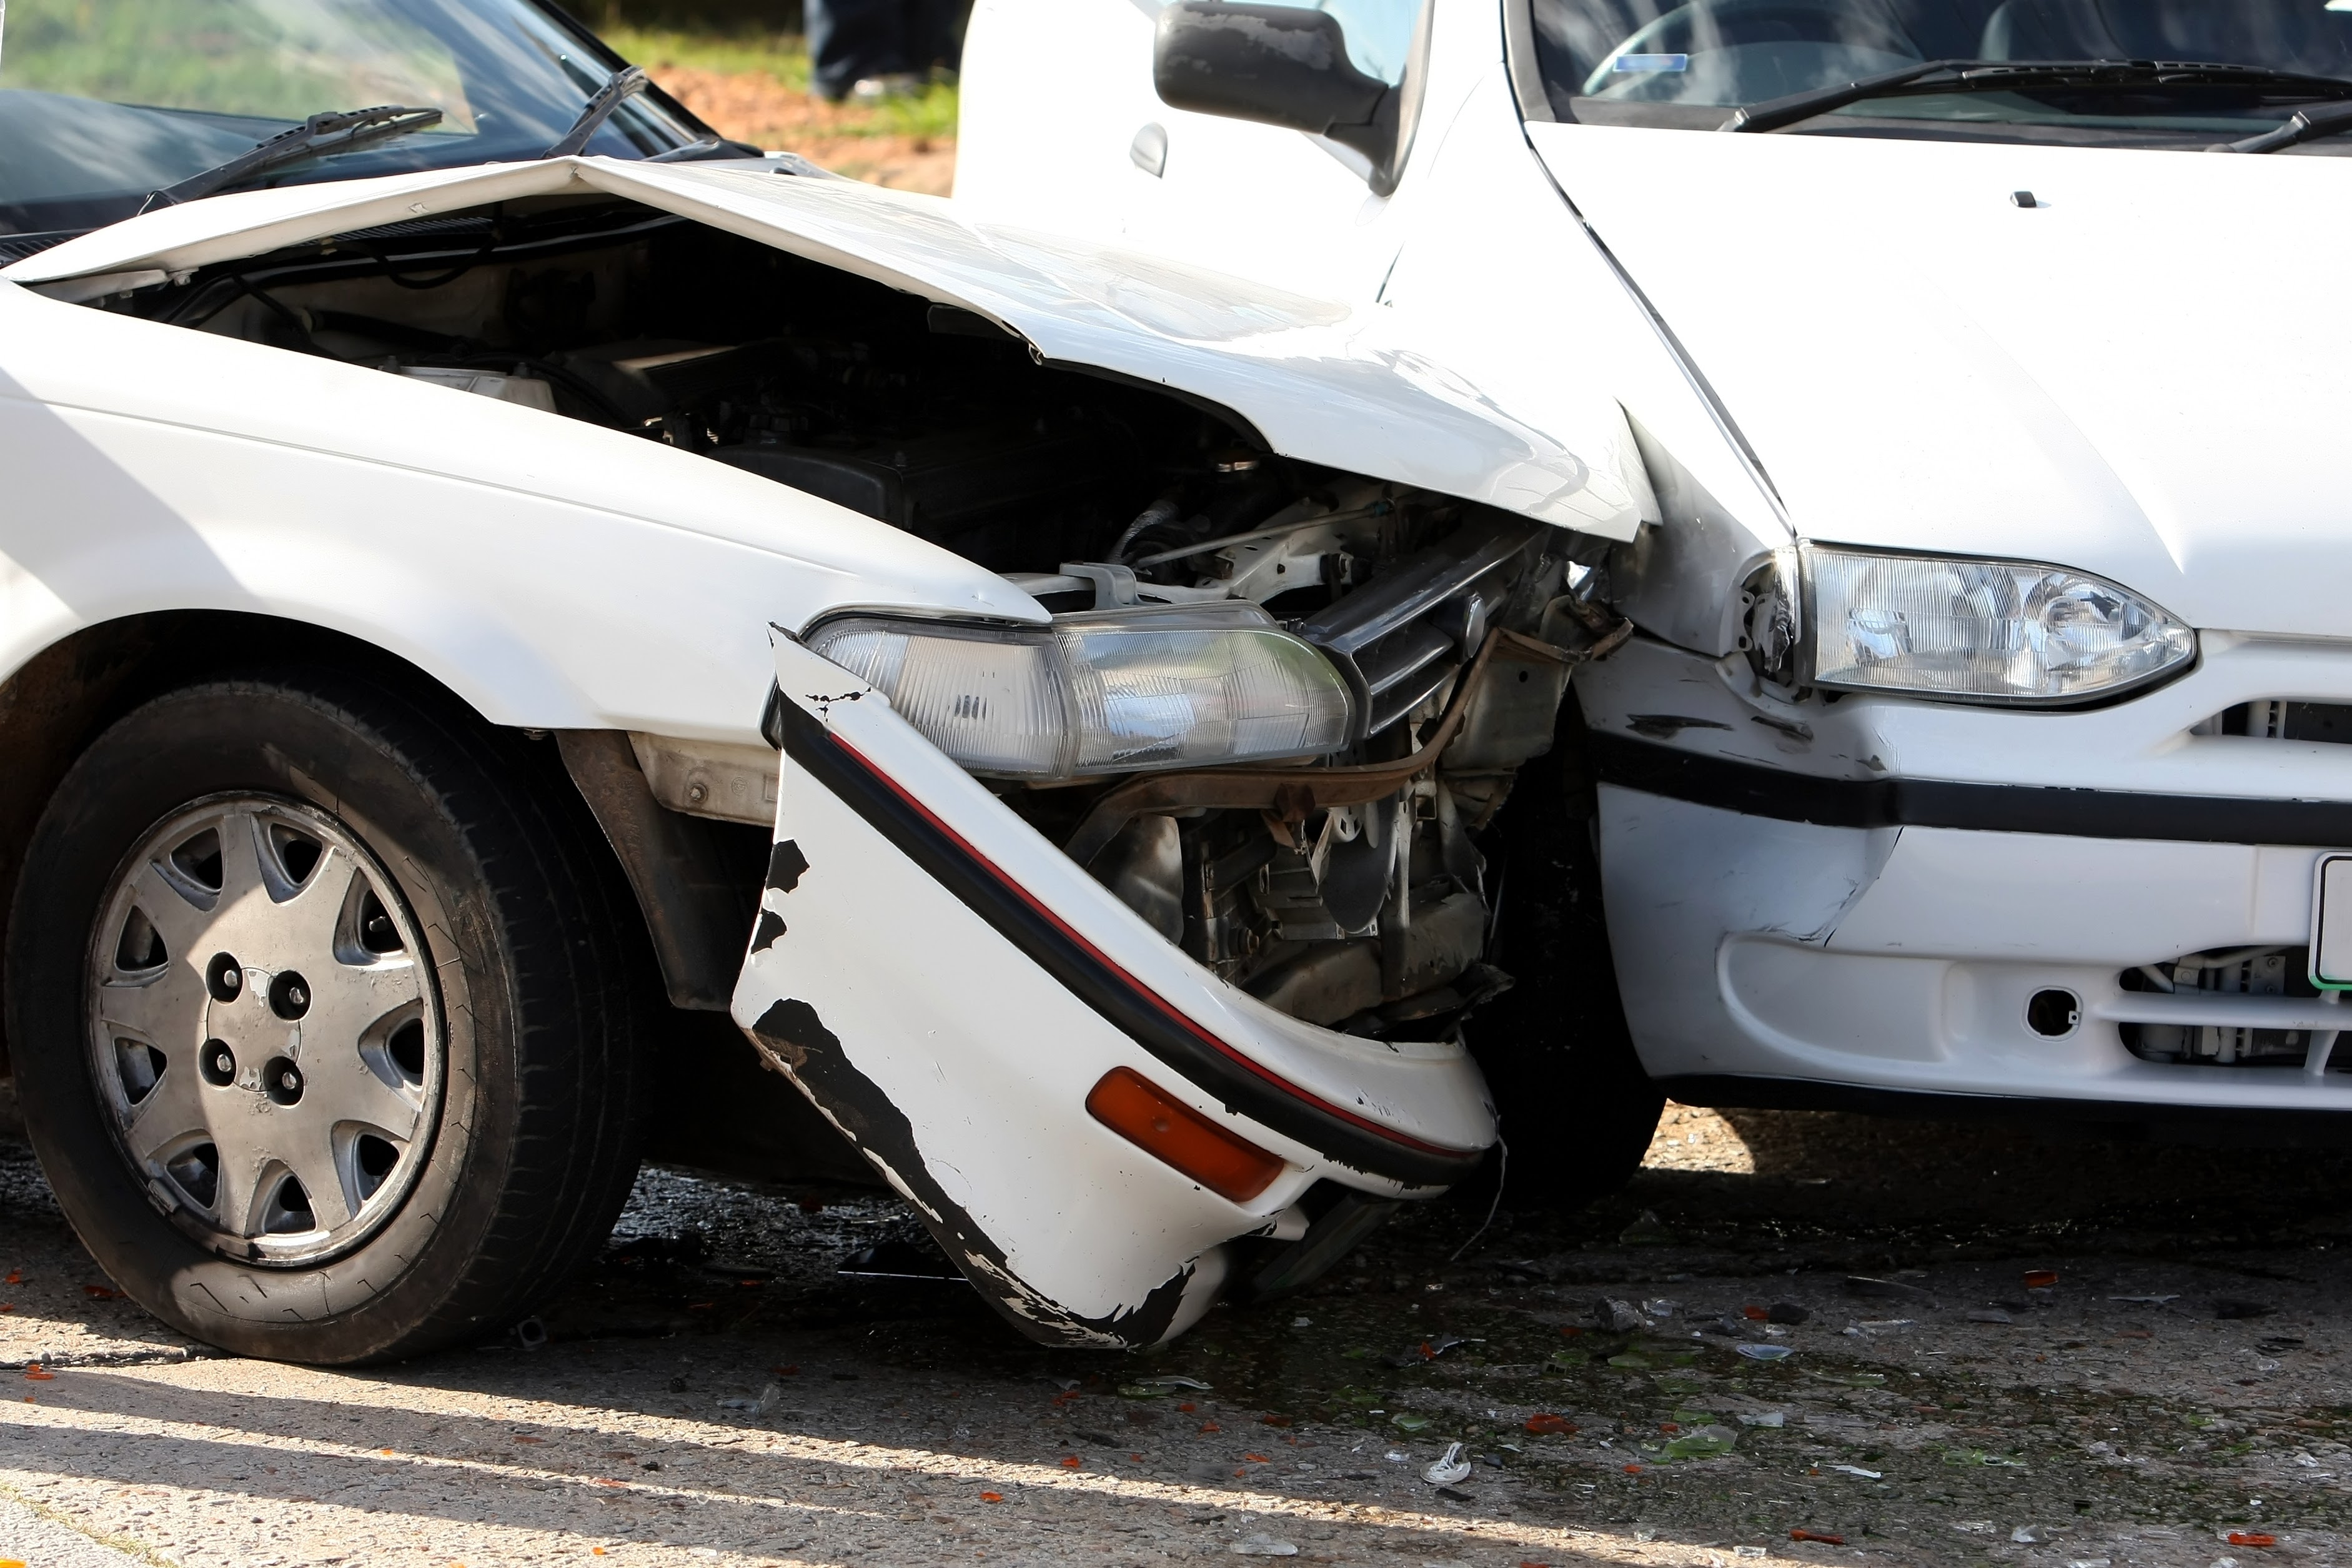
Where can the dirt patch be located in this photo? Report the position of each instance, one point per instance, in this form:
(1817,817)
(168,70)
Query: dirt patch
(754,107)
(2040,1351)
(1691,1139)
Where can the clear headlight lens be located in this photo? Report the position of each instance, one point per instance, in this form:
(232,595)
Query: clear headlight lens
(1990,631)
(1189,687)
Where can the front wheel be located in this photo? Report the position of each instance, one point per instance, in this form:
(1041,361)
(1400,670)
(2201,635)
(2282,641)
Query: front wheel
(323,1017)
(1578,1110)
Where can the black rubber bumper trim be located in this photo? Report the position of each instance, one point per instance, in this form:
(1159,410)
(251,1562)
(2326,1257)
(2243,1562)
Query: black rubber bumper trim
(1244,1087)
(2224,1124)
(1756,789)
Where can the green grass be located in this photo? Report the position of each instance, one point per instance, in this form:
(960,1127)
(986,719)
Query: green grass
(783,57)
(930,113)
(779,55)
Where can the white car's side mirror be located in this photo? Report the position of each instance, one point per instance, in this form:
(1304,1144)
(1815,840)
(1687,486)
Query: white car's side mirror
(1277,65)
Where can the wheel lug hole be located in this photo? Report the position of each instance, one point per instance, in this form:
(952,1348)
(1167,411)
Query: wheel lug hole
(224,978)
(218,1064)
(281,1081)
(289,995)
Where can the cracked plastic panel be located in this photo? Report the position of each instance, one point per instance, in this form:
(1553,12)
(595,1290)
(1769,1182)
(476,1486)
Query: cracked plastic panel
(945,1047)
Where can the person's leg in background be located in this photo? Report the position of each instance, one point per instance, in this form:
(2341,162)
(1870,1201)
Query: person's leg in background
(935,32)
(851,41)
(895,44)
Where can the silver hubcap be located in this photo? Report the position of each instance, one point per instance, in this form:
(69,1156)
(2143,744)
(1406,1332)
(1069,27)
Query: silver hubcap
(263,1030)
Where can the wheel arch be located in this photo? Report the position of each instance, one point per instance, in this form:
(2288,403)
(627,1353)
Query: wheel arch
(62,697)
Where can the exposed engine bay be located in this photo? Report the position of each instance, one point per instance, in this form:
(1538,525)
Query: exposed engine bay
(1347,888)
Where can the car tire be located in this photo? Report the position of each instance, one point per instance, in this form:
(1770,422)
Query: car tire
(1578,1112)
(433,1123)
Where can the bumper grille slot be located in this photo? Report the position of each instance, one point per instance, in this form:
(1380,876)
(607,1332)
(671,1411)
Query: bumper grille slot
(2275,719)
(2248,1007)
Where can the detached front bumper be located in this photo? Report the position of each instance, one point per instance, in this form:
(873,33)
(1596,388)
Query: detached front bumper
(1916,900)
(948,987)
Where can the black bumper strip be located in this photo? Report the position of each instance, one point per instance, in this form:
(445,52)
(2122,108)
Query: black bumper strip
(2249,1126)
(1244,1087)
(1756,789)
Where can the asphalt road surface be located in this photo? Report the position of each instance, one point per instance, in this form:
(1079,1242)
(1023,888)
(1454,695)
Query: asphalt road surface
(2013,1350)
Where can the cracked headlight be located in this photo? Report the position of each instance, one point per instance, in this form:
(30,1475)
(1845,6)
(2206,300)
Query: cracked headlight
(1983,631)
(1125,691)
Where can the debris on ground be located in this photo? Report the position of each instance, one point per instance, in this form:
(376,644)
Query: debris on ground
(1618,1317)
(1449,1467)
(901,1259)
(1708,1442)
(2124,1411)
(1263,1545)
(1159,1387)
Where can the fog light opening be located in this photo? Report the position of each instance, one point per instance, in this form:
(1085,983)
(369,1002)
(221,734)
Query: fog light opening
(2054,1014)
(1164,1127)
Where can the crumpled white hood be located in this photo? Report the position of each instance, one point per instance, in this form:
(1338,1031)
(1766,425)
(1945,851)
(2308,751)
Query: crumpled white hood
(1319,379)
(2148,375)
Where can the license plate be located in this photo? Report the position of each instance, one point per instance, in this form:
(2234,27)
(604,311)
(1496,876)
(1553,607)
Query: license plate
(2331,923)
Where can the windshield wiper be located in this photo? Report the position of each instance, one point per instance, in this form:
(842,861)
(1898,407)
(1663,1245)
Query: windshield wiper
(626,83)
(2010,76)
(321,133)
(2306,126)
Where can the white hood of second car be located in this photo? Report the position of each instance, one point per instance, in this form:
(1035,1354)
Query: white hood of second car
(2148,375)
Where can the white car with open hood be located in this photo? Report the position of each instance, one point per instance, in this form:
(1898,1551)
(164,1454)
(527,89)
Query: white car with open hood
(494,582)
(1985,743)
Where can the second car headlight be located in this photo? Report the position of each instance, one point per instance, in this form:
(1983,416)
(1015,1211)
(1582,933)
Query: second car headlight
(1190,686)
(1988,631)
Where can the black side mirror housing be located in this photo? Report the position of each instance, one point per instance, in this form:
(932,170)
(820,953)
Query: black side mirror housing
(1276,65)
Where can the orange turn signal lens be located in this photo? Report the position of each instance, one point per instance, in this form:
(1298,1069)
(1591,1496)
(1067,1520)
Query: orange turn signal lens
(1139,1112)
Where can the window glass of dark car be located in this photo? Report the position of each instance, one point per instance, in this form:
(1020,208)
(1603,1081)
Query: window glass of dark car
(103,100)
(1653,62)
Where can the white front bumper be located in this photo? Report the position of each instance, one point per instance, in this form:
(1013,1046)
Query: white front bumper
(947,987)
(1898,955)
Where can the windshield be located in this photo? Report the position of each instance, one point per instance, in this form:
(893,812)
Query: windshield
(1651,62)
(102,101)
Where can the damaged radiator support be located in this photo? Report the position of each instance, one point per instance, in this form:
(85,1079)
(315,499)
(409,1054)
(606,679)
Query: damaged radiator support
(1292,795)
(1370,895)
(1386,637)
